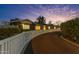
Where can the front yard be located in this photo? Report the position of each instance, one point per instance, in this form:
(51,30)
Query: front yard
(7,32)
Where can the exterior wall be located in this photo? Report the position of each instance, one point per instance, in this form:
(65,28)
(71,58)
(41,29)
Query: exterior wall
(23,25)
(50,27)
(32,27)
(37,27)
(44,27)
(55,27)
(26,26)
(40,27)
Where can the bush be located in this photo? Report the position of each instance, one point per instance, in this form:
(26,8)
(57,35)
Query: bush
(7,32)
(71,28)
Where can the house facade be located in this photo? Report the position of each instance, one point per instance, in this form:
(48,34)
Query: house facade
(26,24)
(50,26)
(43,27)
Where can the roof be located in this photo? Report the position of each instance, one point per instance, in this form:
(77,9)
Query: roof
(26,21)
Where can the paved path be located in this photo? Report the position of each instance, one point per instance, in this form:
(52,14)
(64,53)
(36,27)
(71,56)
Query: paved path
(52,43)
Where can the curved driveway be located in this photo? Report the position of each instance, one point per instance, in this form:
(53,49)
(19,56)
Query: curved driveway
(52,43)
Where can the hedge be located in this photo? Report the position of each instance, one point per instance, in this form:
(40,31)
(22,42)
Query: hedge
(71,28)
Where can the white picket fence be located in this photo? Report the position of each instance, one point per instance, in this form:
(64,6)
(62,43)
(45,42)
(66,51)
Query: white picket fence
(16,44)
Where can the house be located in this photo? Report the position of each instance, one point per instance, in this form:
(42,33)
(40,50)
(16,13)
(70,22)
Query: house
(56,26)
(50,26)
(27,24)
(41,27)
(24,24)
(15,22)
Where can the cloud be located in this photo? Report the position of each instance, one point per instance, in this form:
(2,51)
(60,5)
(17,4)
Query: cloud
(54,13)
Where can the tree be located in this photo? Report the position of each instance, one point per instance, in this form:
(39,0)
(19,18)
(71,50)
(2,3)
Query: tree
(71,28)
(41,20)
(50,22)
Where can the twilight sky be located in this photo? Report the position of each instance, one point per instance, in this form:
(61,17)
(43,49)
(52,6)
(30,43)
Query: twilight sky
(52,12)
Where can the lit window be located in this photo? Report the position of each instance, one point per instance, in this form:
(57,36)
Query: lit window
(25,26)
(48,27)
(44,27)
(54,27)
(37,27)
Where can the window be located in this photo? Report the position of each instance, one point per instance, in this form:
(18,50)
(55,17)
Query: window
(37,27)
(48,27)
(25,26)
(44,28)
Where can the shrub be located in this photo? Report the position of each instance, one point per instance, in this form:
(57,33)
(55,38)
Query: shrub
(71,28)
(7,32)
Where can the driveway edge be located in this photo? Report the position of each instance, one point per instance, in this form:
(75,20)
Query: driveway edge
(75,44)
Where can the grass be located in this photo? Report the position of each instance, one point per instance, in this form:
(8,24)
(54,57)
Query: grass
(7,32)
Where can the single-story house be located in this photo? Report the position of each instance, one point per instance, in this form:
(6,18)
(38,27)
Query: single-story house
(24,24)
(56,27)
(50,26)
(40,26)
(27,24)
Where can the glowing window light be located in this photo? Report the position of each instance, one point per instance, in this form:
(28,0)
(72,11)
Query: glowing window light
(48,27)
(25,26)
(44,27)
(54,27)
(37,27)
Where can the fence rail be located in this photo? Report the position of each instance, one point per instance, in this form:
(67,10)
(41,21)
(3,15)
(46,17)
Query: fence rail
(15,44)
